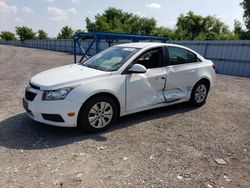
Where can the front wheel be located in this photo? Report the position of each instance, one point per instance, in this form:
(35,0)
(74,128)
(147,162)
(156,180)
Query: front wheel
(199,94)
(97,114)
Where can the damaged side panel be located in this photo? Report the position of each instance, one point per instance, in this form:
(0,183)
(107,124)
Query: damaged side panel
(180,80)
(145,89)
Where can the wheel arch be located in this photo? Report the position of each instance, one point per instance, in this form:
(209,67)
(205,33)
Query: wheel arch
(206,80)
(117,102)
(192,101)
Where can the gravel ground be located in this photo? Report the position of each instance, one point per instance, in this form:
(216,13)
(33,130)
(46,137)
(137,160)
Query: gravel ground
(168,147)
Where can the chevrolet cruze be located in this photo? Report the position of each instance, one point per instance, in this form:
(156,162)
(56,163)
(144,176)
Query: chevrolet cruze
(120,80)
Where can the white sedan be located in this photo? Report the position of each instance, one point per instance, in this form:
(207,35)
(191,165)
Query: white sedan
(120,80)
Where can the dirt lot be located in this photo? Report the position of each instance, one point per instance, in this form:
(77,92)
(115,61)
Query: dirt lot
(168,147)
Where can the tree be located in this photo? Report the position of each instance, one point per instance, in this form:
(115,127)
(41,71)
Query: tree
(112,20)
(90,26)
(237,27)
(165,32)
(79,30)
(42,34)
(240,32)
(189,26)
(142,25)
(25,33)
(196,27)
(6,35)
(243,34)
(116,20)
(246,6)
(66,33)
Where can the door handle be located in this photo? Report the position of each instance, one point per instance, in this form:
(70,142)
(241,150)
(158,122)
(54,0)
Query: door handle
(160,78)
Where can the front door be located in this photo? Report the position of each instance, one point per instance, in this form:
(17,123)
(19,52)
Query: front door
(143,90)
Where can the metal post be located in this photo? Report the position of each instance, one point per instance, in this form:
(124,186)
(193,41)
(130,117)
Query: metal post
(205,51)
(74,49)
(97,45)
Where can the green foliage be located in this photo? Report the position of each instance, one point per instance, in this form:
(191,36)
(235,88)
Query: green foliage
(188,27)
(238,29)
(116,20)
(246,6)
(165,32)
(142,25)
(66,33)
(196,27)
(6,35)
(42,34)
(25,33)
(79,30)
(112,20)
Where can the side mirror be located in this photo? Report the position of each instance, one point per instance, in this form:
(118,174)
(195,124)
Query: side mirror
(137,68)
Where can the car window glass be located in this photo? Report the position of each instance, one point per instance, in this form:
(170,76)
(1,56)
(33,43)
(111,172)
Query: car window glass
(111,59)
(151,59)
(180,56)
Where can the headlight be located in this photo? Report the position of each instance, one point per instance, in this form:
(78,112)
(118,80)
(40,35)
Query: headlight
(58,94)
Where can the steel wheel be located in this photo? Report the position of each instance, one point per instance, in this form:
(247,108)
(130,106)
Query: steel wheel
(200,93)
(100,115)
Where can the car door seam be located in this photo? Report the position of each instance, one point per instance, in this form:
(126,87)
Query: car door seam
(165,83)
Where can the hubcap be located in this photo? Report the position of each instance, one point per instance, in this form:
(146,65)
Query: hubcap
(200,93)
(100,114)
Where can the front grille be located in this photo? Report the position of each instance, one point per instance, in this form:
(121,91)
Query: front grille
(30,96)
(53,117)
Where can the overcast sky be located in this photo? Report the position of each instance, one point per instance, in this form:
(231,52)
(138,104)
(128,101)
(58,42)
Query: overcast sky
(52,15)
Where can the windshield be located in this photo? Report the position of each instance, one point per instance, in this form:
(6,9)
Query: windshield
(111,59)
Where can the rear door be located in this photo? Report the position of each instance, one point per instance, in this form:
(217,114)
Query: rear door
(181,73)
(146,89)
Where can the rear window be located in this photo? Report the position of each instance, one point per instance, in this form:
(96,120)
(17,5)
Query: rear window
(180,56)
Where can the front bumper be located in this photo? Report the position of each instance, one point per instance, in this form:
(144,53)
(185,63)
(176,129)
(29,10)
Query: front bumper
(39,110)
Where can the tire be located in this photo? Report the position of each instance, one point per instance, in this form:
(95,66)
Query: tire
(97,114)
(199,94)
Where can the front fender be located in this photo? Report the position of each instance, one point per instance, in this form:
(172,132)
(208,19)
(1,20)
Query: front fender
(114,85)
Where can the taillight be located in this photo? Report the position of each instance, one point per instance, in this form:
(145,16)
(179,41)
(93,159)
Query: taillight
(214,67)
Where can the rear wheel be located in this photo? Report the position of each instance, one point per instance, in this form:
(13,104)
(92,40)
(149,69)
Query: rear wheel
(199,94)
(97,114)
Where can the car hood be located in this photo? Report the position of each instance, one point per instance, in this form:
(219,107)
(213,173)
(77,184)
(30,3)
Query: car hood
(66,76)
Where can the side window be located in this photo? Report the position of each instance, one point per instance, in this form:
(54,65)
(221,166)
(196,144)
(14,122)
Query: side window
(151,59)
(180,56)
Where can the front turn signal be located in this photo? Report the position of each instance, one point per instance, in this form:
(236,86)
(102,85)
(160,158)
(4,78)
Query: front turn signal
(71,114)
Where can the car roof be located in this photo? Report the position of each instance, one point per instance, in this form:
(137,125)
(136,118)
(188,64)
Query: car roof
(146,44)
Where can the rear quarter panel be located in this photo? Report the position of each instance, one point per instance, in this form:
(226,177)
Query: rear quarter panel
(205,70)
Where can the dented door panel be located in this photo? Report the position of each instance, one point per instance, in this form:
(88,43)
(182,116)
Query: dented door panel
(145,89)
(180,80)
